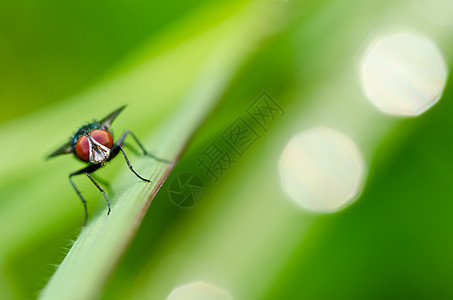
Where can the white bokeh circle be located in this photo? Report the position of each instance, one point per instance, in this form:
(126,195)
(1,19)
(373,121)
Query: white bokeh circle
(322,170)
(199,291)
(403,73)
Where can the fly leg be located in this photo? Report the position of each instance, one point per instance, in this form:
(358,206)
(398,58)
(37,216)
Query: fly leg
(126,133)
(130,166)
(118,147)
(102,181)
(101,189)
(87,171)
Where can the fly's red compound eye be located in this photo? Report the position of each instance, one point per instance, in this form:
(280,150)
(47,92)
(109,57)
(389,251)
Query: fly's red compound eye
(103,137)
(83,148)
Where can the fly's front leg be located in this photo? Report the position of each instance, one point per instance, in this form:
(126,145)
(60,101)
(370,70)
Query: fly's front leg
(101,189)
(87,170)
(102,181)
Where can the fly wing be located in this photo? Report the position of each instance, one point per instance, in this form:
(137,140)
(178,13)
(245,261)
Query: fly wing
(107,121)
(65,149)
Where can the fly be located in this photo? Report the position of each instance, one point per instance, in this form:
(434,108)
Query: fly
(93,143)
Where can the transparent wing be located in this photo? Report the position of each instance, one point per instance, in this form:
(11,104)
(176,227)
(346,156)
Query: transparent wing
(65,149)
(107,121)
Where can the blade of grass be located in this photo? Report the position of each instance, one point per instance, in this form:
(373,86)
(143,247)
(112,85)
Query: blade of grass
(100,245)
(36,200)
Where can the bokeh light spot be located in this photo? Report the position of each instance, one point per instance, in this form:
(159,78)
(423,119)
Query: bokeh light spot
(403,73)
(199,291)
(322,170)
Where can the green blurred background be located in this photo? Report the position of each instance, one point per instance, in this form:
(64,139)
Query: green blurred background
(245,236)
